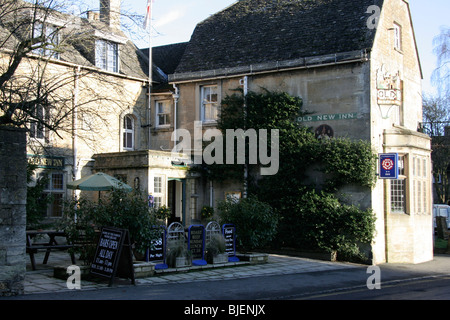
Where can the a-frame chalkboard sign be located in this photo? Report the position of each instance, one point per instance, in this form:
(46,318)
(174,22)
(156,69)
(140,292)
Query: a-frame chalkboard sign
(113,256)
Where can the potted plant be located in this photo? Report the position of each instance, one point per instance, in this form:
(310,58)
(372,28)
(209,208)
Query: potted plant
(178,256)
(207,213)
(163,213)
(215,250)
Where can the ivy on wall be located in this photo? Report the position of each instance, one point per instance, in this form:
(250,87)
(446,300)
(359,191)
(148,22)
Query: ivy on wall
(303,204)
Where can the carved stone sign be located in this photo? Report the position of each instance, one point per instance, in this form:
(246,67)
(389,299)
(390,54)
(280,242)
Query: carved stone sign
(389,87)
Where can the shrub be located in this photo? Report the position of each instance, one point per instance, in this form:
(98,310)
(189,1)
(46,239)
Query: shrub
(121,210)
(255,221)
(319,221)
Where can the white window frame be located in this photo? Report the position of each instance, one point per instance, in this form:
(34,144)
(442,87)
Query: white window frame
(421,184)
(52,39)
(209,109)
(158,191)
(163,113)
(37,129)
(399,189)
(128,132)
(53,190)
(107,55)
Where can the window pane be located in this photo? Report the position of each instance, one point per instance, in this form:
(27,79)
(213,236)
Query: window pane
(158,202)
(57,181)
(56,205)
(128,123)
(129,141)
(157,185)
(100,54)
(112,57)
(210,103)
(398,196)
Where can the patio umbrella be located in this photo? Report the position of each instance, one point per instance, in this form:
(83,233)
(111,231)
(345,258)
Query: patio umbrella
(99,182)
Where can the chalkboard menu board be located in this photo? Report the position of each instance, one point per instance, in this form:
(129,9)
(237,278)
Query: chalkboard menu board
(196,243)
(157,252)
(229,233)
(113,255)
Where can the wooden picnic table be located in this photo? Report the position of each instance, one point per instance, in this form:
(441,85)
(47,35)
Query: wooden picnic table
(51,244)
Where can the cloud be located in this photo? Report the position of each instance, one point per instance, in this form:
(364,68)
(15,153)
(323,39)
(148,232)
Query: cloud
(169,17)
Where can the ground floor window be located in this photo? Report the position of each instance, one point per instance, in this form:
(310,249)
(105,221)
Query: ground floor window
(54,191)
(158,191)
(421,183)
(398,189)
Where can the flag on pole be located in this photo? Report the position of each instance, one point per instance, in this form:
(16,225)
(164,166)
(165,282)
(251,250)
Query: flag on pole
(148,15)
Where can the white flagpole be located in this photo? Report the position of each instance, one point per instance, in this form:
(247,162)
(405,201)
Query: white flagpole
(148,25)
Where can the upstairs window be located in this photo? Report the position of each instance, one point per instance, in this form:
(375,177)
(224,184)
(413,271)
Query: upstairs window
(397,37)
(210,103)
(37,128)
(107,55)
(128,133)
(162,113)
(48,47)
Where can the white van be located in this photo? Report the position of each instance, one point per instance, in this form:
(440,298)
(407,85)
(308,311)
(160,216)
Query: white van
(441,210)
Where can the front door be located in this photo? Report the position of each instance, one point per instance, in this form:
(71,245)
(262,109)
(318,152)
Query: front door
(175,191)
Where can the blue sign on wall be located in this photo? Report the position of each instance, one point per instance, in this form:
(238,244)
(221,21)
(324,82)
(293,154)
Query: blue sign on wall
(388,165)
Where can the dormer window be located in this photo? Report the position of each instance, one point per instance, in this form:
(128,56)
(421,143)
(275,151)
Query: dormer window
(49,33)
(107,55)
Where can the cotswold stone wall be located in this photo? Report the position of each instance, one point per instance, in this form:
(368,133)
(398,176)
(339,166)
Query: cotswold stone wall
(13,196)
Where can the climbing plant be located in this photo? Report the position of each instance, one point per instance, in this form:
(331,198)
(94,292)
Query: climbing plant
(302,203)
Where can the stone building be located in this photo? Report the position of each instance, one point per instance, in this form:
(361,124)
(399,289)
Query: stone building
(355,64)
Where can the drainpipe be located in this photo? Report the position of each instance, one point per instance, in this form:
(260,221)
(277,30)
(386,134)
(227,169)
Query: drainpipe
(176,96)
(244,83)
(75,125)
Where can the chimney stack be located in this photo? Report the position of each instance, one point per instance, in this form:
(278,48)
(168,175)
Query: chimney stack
(110,13)
(92,16)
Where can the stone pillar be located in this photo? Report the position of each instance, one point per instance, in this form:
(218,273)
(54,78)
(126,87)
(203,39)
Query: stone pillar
(13,198)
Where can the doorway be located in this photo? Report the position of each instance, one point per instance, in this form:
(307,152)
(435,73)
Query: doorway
(175,199)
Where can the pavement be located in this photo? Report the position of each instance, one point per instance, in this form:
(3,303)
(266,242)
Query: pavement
(40,282)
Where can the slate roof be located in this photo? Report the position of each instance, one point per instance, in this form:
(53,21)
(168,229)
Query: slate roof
(257,31)
(167,57)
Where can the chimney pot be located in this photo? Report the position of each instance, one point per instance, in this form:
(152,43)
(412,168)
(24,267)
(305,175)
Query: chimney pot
(92,15)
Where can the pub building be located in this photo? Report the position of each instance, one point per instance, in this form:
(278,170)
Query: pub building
(359,77)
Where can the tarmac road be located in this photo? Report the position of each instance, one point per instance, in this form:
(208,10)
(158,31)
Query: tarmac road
(425,281)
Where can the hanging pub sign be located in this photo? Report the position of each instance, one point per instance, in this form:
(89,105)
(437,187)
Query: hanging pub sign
(388,165)
(113,255)
(196,244)
(229,233)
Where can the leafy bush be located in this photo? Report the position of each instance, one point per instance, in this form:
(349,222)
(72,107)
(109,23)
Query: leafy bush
(120,210)
(255,221)
(318,221)
(37,200)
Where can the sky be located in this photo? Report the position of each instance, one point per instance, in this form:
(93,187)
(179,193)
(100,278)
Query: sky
(175,20)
